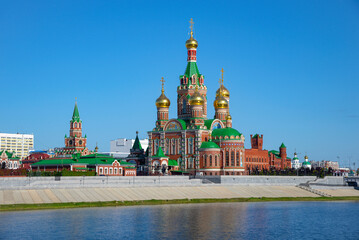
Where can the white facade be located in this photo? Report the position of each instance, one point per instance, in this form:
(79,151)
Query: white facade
(295,162)
(20,144)
(121,147)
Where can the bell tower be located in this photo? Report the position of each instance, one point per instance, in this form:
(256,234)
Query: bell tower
(190,80)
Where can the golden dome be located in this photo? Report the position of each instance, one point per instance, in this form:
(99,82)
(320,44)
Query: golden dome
(191,43)
(163,101)
(223,90)
(220,102)
(229,117)
(196,98)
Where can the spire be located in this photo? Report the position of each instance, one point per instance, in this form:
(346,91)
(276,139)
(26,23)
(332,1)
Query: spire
(137,144)
(76,115)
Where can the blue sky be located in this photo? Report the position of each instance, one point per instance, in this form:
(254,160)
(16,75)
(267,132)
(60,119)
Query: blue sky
(291,68)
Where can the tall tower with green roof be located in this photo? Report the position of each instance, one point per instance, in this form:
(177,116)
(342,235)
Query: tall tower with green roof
(75,142)
(189,80)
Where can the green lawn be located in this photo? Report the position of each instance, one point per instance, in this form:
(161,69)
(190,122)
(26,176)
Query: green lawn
(21,207)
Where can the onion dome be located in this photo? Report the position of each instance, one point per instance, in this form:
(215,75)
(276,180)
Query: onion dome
(223,90)
(196,98)
(229,117)
(220,102)
(163,101)
(191,43)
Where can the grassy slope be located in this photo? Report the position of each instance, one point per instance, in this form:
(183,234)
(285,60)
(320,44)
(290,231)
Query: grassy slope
(21,207)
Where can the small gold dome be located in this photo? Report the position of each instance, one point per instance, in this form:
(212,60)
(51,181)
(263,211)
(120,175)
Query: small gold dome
(229,117)
(163,101)
(196,98)
(191,43)
(223,90)
(220,102)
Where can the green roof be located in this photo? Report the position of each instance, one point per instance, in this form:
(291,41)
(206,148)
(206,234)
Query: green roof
(306,163)
(208,123)
(225,132)
(10,155)
(256,135)
(209,144)
(275,153)
(93,159)
(160,153)
(137,144)
(76,115)
(172,162)
(283,146)
(183,123)
(191,70)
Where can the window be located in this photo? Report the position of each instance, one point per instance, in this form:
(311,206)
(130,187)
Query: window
(205,160)
(241,163)
(101,170)
(227,158)
(232,158)
(167,146)
(190,145)
(115,171)
(110,170)
(173,146)
(184,106)
(120,171)
(106,170)
(237,158)
(210,160)
(215,160)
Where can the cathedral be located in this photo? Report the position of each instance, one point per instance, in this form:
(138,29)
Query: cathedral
(192,143)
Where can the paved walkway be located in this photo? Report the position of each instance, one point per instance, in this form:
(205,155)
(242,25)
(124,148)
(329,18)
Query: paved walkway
(148,193)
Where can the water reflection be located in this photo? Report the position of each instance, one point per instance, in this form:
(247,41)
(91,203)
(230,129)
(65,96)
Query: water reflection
(276,220)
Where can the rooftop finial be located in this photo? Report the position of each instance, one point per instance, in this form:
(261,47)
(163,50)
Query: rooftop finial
(191,27)
(222,75)
(75,100)
(137,133)
(162,83)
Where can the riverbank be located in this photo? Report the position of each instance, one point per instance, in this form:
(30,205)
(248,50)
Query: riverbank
(45,206)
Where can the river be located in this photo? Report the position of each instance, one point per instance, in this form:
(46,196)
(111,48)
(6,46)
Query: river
(262,220)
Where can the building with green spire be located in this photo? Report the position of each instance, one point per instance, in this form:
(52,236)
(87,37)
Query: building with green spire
(75,142)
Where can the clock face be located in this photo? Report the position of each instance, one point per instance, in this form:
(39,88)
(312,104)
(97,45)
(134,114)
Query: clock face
(80,142)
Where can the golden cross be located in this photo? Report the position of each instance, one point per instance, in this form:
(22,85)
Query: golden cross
(220,82)
(222,74)
(191,27)
(163,82)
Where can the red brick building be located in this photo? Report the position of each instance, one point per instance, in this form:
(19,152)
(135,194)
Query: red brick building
(256,157)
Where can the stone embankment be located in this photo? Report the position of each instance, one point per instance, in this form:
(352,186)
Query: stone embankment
(94,189)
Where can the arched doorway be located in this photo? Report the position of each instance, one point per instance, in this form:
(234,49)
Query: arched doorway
(3,165)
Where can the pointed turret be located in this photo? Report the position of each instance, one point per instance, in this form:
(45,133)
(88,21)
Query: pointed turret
(137,144)
(76,115)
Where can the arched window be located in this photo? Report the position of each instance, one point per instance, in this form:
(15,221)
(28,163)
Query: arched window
(173,146)
(241,162)
(227,158)
(167,146)
(101,170)
(184,106)
(115,171)
(210,160)
(110,170)
(205,160)
(75,124)
(237,158)
(215,160)
(232,158)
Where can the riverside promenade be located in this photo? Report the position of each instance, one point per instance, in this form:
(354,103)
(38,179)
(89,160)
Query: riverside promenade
(37,190)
